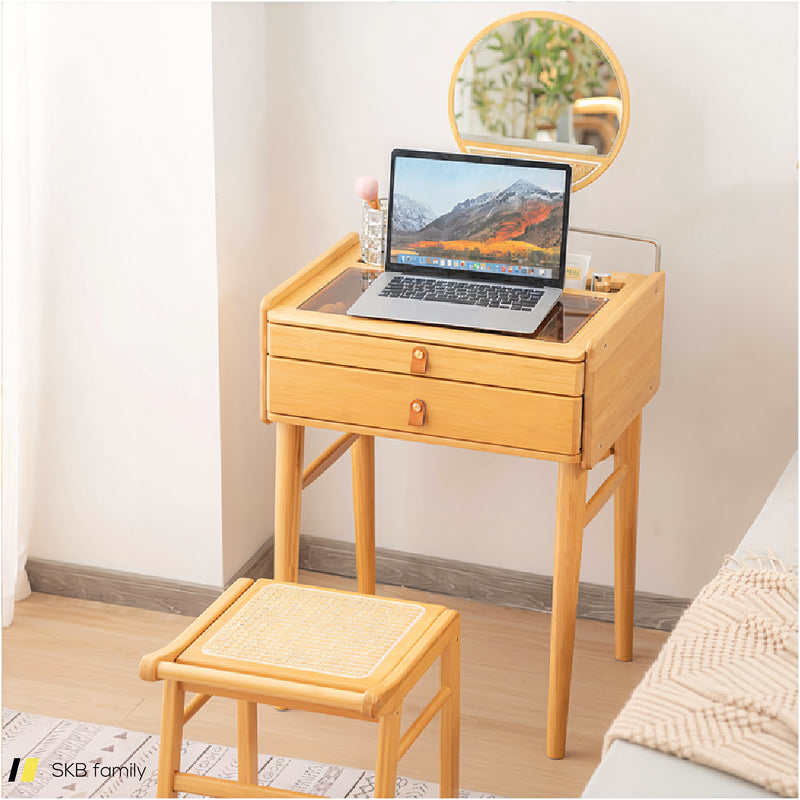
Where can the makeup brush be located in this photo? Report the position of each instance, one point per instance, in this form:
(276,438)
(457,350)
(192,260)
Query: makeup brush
(367,189)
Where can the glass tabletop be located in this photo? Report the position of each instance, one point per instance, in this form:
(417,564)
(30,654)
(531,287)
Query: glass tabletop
(568,316)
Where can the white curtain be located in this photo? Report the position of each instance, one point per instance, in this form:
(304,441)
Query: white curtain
(18,314)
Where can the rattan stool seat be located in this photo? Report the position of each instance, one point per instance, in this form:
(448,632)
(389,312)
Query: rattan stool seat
(284,629)
(321,650)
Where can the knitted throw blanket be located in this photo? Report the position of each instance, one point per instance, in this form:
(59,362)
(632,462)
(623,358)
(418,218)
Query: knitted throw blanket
(723,690)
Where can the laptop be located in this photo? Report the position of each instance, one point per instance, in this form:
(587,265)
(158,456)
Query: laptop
(472,242)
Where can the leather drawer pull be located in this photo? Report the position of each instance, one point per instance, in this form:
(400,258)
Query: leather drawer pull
(416,413)
(419,360)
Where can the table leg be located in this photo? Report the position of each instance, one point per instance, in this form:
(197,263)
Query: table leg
(362,454)
(288,490)
(626,501)
(570,510)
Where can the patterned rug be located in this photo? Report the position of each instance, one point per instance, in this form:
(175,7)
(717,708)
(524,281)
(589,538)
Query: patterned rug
(723,690)
(48,757)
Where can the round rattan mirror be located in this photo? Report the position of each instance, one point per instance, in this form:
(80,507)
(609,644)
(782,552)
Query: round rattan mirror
(544,86)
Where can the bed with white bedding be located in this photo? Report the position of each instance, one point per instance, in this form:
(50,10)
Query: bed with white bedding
(630,769)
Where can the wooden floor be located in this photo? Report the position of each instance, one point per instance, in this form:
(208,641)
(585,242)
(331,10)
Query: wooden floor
(78,659)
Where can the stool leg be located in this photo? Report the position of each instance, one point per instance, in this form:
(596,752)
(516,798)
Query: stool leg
(626,451)
(388,749)
(450,715)
(570,515)
(289,440)
(169,751)
(362,455)
(247,740)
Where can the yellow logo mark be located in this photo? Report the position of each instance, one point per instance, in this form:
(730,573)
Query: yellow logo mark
(29,772)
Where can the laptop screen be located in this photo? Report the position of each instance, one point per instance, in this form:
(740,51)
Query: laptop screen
(493,218)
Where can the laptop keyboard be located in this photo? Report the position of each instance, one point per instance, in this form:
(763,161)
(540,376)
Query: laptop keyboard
(517,298)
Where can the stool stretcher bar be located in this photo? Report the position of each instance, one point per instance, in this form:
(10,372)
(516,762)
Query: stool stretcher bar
(194,705)
(239,684)
(421,722)
(219,787)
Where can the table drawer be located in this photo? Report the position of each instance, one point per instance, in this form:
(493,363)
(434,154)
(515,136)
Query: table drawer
(469,412)
(448,363)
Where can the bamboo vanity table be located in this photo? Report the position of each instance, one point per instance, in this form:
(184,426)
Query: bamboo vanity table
(572,393)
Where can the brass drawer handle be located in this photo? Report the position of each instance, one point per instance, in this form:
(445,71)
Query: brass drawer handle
(419,360)
(416,413)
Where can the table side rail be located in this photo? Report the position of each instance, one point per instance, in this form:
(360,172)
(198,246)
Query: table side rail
(623,367)
(403,436)
(342,250)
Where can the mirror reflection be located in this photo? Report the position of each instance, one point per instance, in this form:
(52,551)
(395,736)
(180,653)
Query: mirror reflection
(541,83)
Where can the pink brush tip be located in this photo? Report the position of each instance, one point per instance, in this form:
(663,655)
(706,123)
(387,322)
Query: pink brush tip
(367,188)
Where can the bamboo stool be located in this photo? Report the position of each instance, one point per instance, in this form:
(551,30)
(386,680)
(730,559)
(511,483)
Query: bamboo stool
(340,653)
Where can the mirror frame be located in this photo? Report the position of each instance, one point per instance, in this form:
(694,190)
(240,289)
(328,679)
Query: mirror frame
(585,168)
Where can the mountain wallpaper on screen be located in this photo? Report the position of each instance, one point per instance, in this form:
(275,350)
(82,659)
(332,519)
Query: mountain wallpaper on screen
(519,224)
(410,215)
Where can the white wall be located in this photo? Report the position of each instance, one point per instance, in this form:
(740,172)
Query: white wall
(126,456)
(243,189)
(135,378)
(708,167)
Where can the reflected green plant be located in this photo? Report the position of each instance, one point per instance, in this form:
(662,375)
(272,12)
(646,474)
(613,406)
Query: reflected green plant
(528,72)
